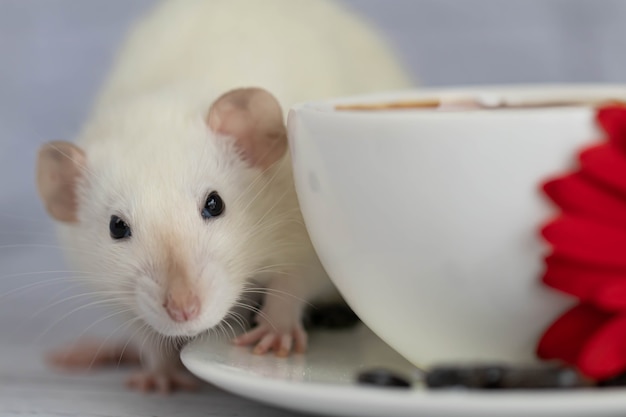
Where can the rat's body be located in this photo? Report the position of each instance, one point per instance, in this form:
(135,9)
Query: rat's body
(178,191)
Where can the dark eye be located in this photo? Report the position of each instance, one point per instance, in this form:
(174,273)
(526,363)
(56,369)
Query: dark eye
(214,206)
(118,228)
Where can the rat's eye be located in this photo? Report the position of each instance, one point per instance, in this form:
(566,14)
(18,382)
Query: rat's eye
(118,228)
(214,206)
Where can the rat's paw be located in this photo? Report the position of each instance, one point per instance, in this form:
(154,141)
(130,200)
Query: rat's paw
(88,354)
(163,382)
(269,338)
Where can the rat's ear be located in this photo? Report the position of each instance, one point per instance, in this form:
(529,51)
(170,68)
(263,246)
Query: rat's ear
(60,165)
(254,118)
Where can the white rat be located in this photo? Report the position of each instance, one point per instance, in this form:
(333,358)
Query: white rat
(178,192)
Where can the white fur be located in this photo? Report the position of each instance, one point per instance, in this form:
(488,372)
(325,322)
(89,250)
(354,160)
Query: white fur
(297,49)
(152,160)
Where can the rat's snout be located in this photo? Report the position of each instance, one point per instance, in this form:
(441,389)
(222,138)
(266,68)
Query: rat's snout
(182,307)
(181,302)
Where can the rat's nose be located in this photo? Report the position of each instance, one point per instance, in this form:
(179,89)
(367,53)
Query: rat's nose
(182,309)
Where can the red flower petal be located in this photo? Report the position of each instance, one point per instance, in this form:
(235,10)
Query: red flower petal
(611,296)
(607,165)
(568,335)
(604,355)
(589,260)
(601,287)
(612,119)
(586,241)
(576,194)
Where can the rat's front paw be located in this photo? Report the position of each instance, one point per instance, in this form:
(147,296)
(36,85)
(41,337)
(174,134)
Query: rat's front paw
(163,382)
(266,337)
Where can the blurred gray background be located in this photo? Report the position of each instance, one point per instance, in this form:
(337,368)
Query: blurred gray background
(54,53)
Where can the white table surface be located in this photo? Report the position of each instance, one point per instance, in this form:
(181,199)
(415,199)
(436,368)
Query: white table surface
(29,388)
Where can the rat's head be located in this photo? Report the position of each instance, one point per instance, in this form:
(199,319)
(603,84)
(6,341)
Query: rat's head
(170,208)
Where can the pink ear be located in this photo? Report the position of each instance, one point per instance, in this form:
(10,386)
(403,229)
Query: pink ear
(60,165)
(254,119)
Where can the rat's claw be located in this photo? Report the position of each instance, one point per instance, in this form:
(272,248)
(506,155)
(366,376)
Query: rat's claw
(161,382)
(267,338)
(266,343)
(286,342)
(250,337)
(301,338)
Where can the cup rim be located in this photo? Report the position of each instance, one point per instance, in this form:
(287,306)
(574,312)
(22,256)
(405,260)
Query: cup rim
(488,92)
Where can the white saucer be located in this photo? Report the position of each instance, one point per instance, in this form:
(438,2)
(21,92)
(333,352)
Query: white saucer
(322,382)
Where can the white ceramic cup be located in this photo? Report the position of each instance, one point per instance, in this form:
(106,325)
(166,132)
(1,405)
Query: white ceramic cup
(427,221)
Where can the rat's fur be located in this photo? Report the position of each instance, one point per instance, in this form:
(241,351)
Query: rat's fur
(297,49)
(151,159)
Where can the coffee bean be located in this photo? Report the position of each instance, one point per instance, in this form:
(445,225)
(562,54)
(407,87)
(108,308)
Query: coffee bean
(382,378)
(502,377)
(490,377)
(544,378)
(486,377)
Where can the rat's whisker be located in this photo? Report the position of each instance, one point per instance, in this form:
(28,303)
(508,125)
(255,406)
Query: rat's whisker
(153,338)
(63,317)
(259,192)
(257,311)
(56,322)
(222,326)
(149,335)
(31,285)
(226,323)
(277,293)
(239,319)
(94,294)
(271,271)
(287,245)
(219,328)
(262,291)
(26,274)
(34,285)
(256,180)
(128,341)
(125,324)
(271,209)
(288,265)
(260,227)
(142,330)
